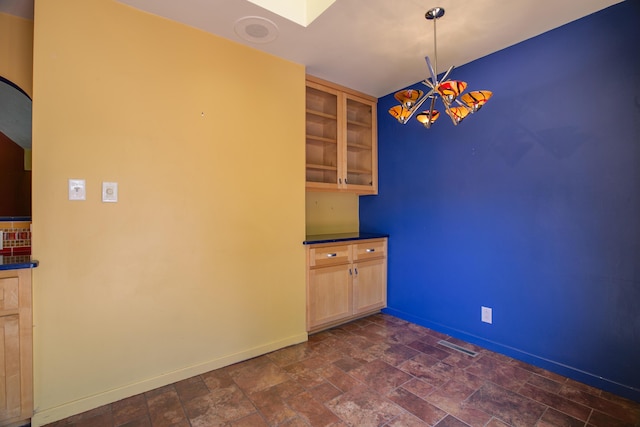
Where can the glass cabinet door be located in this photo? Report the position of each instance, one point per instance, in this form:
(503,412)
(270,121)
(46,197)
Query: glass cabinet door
(360,153)
(322,136)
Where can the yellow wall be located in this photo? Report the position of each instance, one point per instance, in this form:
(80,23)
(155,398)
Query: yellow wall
(16,51)
(200,263)
(331,213)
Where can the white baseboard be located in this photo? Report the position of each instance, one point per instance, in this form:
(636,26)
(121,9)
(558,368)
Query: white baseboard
(46,416)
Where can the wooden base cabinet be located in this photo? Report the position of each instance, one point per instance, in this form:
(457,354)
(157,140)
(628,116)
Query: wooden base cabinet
(16,366)
(345,281)
(370,286)
(330,294)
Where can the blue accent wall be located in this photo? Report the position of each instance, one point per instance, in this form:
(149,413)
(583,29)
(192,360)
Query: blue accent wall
(530,207)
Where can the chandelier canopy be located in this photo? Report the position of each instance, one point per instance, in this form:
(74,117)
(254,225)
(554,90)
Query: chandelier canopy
(456,104)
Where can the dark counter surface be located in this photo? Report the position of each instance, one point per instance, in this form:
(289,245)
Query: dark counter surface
(15,262)
(15,218)
(341,237)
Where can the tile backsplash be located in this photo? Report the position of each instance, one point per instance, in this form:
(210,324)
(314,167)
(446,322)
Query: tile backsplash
(16,238)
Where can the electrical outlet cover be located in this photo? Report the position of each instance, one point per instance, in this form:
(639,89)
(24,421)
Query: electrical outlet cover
(110,192)
(487,315)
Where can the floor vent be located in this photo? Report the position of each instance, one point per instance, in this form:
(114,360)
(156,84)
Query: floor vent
(458,348)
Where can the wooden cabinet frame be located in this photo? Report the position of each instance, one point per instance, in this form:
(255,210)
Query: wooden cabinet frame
(341,139)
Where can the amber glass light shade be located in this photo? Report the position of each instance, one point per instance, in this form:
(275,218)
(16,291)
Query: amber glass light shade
(457,114)
(450,89)
(476,99)
(400,113)
(428,117)
(408,97)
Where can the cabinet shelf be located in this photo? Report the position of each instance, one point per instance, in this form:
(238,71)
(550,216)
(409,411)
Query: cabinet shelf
(361,124)
(359,171)
(358,147)
(312,139)
(320,115)
(321,167)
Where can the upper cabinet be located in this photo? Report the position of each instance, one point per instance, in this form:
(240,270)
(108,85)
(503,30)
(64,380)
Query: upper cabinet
(341,139)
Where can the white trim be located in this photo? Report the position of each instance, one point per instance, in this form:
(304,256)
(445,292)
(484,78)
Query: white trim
(57,413)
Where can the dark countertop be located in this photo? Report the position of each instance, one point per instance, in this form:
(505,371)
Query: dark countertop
(341,237)
(15,262)
(15,218)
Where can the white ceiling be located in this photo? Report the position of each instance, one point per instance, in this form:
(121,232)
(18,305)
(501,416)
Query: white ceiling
(378,46)
(374,46)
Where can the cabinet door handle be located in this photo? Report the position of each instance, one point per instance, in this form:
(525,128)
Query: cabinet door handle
(350,273)
(356,271)
(371,250)
(345,181)
(340,180)
(333,255)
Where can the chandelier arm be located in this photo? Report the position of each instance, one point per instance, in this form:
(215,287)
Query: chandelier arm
(417,105)
(448,110)
(428,84)
(432,71)
(444,77)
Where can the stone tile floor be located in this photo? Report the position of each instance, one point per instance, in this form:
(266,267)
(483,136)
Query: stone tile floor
(377,371)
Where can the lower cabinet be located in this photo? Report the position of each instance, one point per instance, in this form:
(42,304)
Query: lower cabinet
(16,377)
(345,281)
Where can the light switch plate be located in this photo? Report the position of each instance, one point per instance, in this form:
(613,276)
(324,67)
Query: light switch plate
(109,192)
(77,189)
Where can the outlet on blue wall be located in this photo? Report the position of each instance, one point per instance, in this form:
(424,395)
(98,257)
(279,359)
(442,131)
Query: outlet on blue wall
(530,207)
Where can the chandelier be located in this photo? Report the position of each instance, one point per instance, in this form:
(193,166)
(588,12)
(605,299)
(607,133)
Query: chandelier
(456,105)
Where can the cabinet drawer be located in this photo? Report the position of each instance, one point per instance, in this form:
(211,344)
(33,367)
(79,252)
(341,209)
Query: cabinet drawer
(367,249)
(329,255)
